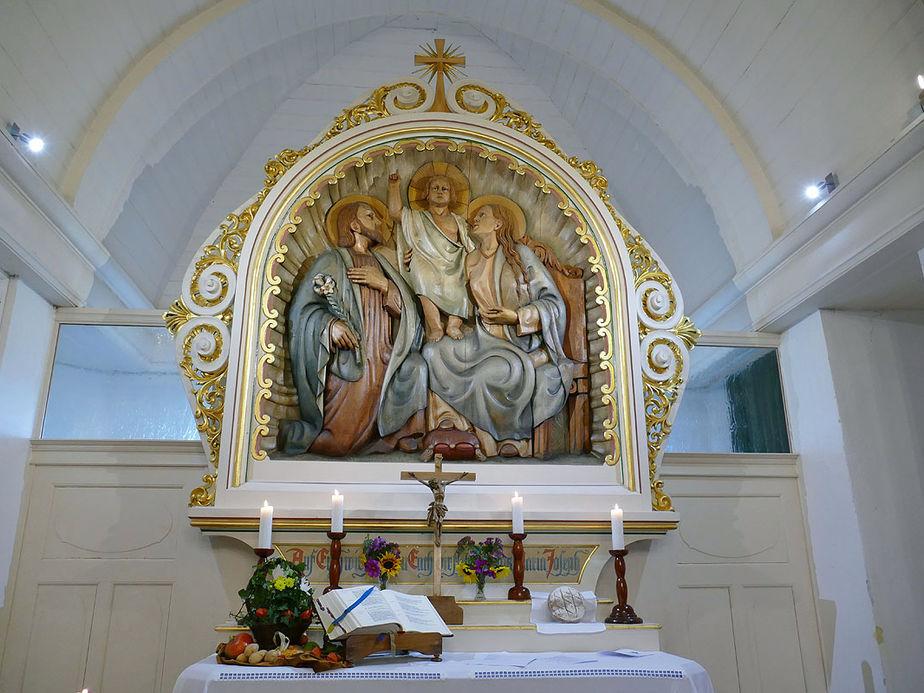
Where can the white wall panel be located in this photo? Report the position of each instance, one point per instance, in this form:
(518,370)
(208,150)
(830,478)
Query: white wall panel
(771,643)
(137,638)
(709,610)
(55,638)
(733,585)
(112,521)
(732,590)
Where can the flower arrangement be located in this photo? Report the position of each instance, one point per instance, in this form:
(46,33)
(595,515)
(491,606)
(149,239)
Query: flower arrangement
(478,562)
(381,560)
(278,593)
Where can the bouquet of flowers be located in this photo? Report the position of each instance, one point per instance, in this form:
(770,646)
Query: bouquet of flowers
(278,596)
(478,562)
(381,560)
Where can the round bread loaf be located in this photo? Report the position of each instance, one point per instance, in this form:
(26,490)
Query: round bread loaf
(566,604)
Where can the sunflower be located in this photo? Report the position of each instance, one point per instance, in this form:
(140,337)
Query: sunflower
(501,571)
(468,573)
(391,565)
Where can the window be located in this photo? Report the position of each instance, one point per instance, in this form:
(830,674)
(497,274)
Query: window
(733,403)
(117,382)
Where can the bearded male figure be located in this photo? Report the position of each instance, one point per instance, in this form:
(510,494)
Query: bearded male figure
(354,343)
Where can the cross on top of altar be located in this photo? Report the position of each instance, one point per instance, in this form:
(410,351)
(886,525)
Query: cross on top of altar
(437,481)
(437,60)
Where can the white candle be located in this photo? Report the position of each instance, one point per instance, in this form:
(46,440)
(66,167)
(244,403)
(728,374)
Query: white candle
(336,513)
(516,505)
(265,539)
(619,540)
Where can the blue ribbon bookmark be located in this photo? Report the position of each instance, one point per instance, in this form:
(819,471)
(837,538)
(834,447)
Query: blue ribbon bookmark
(352,606)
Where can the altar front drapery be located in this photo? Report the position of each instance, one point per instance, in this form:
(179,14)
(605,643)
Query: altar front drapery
(537,672)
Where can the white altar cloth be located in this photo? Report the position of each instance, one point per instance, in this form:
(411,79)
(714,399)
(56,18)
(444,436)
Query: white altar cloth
(536,672)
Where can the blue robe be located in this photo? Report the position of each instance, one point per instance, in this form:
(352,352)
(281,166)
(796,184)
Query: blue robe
(404,385)
(494,382)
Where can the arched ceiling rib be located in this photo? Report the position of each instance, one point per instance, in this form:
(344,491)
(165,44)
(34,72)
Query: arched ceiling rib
(718,172)
(649,190)
(505,14)
(793,87)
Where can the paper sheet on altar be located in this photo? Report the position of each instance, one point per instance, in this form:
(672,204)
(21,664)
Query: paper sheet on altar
(541,616)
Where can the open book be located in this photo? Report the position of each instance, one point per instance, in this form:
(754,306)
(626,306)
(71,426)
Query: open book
(380,612)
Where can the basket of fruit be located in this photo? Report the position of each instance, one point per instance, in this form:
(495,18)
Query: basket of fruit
(241,650)
(278,607)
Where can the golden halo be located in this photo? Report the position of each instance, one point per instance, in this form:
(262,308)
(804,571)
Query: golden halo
(417,189)
(516,213)
(333,214)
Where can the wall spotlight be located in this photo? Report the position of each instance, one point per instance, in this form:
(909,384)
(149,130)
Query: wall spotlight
(825,187)
(35,144)
(921,95)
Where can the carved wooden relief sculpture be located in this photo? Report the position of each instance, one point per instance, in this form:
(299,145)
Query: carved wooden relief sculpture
(432,275)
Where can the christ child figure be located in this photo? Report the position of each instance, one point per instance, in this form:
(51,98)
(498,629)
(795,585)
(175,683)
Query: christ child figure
(433,243)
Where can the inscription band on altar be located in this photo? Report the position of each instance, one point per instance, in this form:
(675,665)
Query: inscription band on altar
(548,564)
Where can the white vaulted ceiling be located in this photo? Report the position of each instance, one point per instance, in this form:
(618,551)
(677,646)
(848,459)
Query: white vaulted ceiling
(708,117)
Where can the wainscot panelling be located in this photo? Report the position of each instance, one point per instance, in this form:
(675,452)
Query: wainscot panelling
(61,613)
(709,610)
(113,590)
(733,586)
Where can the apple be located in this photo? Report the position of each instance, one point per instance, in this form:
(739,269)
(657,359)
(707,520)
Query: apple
(237,645)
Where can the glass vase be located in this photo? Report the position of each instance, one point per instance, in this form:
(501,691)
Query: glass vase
(479,591)
(383,583)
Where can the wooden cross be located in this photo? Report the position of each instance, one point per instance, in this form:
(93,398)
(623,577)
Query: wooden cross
(437,481)
(439,61)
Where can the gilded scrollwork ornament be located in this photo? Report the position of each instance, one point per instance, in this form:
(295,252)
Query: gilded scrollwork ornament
(202,317)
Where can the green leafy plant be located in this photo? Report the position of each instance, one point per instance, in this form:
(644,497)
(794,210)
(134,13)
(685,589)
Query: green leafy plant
(278,592)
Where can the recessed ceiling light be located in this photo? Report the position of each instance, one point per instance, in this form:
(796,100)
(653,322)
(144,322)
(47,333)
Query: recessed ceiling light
(35,144)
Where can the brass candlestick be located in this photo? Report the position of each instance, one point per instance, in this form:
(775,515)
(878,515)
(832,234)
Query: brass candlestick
(518,592)
(622,612)
(333,572)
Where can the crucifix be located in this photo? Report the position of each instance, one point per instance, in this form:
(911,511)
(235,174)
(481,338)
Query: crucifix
(439,61)
(437,481)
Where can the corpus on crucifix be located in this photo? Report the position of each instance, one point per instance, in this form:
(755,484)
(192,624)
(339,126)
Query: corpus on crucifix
(437,481)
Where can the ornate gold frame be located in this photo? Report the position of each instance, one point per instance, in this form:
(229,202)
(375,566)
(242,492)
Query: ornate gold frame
(269,316)
(200,330)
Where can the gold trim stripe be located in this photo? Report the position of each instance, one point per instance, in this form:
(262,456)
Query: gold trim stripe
(251,524)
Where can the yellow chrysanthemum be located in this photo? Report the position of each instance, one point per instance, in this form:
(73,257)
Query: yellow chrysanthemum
(391,565)
(279,584)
